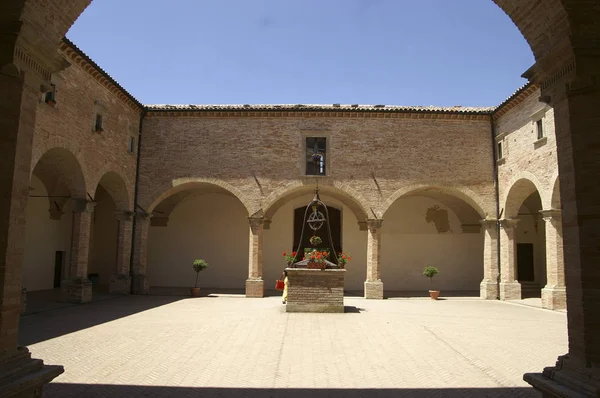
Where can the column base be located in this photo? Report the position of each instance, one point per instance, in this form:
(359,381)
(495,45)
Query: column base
(510,290)
(23,376)
(255,288)
(77,291)
(554,298)
(120,284)
(488,290)
(563,381)
(374,290)
(140,284)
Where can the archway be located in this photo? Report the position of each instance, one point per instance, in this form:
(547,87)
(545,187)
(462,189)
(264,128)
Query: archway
(110,231)
(279,235)
(201,220)
(431,226)
(523,241)
(55,181)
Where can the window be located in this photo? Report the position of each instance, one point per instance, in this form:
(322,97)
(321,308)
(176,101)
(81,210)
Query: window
(50,96)
(540,129)
(316,152)
(131,144)
(500,153)
(98,125)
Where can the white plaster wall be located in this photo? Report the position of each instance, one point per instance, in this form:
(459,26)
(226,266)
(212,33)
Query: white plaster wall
(44,237)
(409,244)
(103,243)
(209,226)
(279,238)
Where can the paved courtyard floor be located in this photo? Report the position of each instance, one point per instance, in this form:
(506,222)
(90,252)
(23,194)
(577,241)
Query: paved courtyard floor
(230,346)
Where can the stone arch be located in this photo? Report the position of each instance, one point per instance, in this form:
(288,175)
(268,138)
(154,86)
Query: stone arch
(344,194)
(182,186)
(117,186)
(477,204)
(555,200)
(520,188)
(60,162)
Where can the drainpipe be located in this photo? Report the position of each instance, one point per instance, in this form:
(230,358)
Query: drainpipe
(497,189)
(135,197)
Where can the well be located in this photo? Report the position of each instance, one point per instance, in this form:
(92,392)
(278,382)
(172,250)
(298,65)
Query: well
(315,290)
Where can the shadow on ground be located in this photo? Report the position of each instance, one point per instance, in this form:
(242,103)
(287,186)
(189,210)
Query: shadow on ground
(55,390)
(54,323)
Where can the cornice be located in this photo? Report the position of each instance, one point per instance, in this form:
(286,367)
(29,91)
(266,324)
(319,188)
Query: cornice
(317,114)
(75,55)
(518,97)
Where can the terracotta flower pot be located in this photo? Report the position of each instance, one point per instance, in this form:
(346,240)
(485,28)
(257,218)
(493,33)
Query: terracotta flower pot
(434,294)
(315,265)
(195,291)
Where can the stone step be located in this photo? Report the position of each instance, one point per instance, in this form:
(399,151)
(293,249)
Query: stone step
(20,374)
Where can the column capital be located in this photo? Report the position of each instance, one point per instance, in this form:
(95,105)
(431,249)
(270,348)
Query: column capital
(489,222)
(143,215)
(256,223)
(509,223)
(124,215)
(374,224)
(83,206)
(551,215)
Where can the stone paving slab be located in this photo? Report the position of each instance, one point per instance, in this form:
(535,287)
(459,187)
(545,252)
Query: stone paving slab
(233,346)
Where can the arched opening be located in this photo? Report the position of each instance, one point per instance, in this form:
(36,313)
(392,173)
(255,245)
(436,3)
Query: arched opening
(111,199)
(523,204)
(431,227)
(56,179)
(279,236)
(200,220)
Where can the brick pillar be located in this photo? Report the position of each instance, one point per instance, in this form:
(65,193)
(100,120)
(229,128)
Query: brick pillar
(373,284)
(554,294)
(577,125)
(255,283)
(140,253)
(489,285)
(78,288)
(120,282)
(510,288)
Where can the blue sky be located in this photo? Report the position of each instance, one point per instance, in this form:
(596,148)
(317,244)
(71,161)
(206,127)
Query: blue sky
(393,52)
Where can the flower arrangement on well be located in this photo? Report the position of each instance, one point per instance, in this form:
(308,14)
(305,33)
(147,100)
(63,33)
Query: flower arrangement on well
(315,240)
(289,258)
(317,257)
(343,259)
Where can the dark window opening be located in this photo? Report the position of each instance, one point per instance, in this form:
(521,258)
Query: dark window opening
(99,123)
(50,97)
(131,144)
(540,129)
(316,152)
(500,154)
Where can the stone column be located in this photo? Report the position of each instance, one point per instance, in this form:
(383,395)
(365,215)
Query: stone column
(576,100)
(510,288)
(78,288)
(554,294)
(140,253)
(120,282)
(373,284)
(255,283)
(489,285)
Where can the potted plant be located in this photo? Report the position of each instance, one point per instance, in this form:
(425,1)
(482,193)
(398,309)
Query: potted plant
(430,272)
(343,259)
(315,240)
(198,265)
(289,258)
(316,259)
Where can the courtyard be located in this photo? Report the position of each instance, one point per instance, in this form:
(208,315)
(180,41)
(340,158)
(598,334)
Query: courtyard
(225,345)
